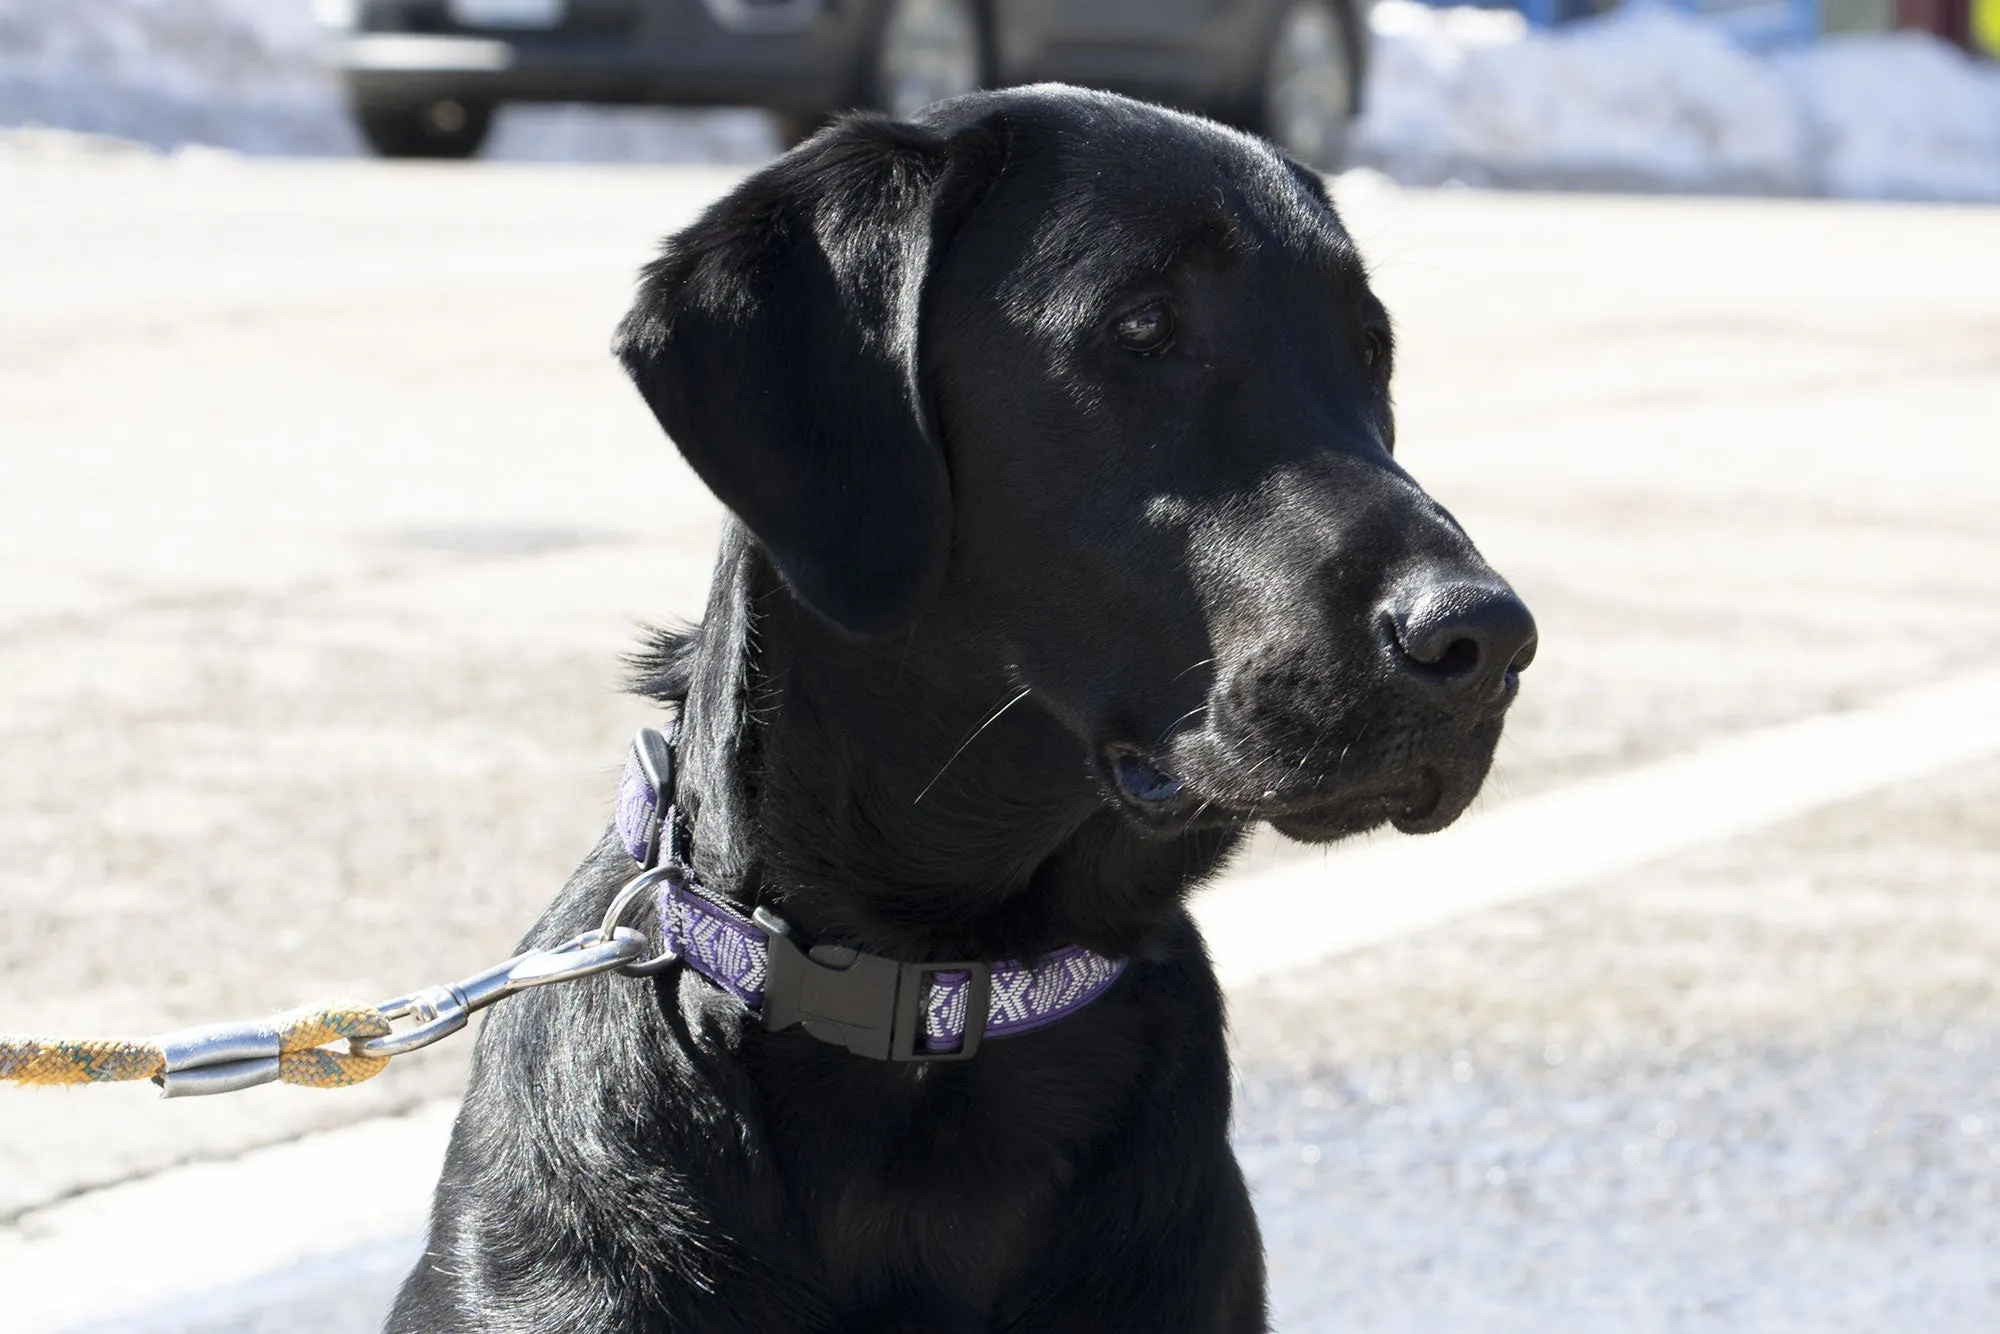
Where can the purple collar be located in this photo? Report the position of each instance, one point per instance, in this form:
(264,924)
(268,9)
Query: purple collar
(873,1006)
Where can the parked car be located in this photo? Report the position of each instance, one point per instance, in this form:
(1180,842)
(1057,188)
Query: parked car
(425,76)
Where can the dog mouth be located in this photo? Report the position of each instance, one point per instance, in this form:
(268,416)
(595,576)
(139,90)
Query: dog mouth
(1417,800)
(1414,804)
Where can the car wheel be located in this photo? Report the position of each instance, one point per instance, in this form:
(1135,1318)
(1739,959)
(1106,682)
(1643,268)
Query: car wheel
(1307,96)
(927,50)
(441,129)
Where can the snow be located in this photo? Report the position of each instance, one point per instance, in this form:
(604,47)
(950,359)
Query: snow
(241,74)
(1649,98)
(1645,98)
(1899,117)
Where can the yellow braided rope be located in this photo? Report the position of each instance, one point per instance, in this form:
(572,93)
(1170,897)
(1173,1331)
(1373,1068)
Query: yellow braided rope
(31,1061)
(302,1037)
(304,1058)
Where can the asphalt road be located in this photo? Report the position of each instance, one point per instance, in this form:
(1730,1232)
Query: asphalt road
(324,518)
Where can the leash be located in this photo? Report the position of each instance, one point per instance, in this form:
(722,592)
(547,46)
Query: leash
(297,1048)
(876,1007)
(293,1045)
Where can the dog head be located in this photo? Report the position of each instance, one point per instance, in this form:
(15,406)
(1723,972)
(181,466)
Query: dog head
(1104,386)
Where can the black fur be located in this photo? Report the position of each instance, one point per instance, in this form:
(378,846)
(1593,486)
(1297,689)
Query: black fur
(992,563)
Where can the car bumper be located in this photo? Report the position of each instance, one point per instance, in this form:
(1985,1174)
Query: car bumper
(681,58)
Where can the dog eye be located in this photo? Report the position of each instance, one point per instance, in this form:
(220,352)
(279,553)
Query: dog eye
(1147,329)
(1374,349)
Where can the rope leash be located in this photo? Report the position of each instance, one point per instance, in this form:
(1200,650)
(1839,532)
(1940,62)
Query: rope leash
(298,1040)
(300,1047)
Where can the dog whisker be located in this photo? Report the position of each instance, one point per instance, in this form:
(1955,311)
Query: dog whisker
(1352,744)
(1165,731)
(992,718)
(1306,758)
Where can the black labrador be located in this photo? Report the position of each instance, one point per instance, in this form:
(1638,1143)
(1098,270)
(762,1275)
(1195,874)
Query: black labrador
(1068,542)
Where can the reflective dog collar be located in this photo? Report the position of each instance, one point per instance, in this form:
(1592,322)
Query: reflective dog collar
(875,1007)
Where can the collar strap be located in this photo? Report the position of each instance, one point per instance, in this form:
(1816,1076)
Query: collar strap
(875,1007)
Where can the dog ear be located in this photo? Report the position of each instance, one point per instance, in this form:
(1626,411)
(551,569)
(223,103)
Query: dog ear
(776,340)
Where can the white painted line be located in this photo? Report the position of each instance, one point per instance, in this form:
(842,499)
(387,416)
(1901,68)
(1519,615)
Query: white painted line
(1300,913)
(171,1238)
(194,1231)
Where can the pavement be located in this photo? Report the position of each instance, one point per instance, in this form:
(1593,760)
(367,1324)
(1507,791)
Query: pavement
(325,518)
(1754,1087)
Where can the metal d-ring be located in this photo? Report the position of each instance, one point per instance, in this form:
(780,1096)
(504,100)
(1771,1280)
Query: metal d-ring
(633,891)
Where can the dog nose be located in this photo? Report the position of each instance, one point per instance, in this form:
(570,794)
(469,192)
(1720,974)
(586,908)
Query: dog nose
(1467,640)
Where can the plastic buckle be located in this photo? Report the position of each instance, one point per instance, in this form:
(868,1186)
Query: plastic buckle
(870,1005)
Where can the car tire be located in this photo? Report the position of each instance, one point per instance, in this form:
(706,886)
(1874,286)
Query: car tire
(926,51)
(442,129)
(1306,94)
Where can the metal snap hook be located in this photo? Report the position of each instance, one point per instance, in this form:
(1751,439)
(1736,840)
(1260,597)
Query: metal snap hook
(444,1009)
(634,891)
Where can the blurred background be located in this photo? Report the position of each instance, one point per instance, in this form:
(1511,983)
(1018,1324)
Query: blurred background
(1853,98)
(325,519)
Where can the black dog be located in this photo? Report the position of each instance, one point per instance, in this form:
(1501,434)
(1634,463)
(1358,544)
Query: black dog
(1069,543)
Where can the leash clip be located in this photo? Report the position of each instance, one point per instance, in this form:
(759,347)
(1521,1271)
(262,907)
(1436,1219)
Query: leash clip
(442,1010)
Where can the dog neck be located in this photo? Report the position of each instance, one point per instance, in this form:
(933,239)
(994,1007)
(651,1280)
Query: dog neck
(870,794)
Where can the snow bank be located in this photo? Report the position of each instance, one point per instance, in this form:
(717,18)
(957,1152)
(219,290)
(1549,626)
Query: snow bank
(1645,98)
(240,74)
(1649,98)
(1902,116)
